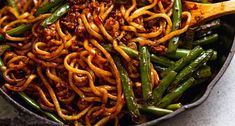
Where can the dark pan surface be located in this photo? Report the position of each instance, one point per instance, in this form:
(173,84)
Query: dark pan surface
(195,96)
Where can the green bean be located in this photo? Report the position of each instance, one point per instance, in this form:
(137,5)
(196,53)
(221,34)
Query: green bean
(184,52)
(17,31)
(161,88)
(188,38)
(127,89)
(163,61)
(160,60)
(131,52)
(177,12)
(206,40)
(34,105)
(180,64)
(175,94)
(174,106)
(154,110)
(12,3)
(203,72)
(145,71)
(2,67)
(56,15)
(200,81)
(180,53)
(203,30)
(159,68)
(47,7)
(56,7)
(191,68)
(3,48)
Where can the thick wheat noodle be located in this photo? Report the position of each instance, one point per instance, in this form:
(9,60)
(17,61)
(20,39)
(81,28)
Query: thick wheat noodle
(177,32)
(129,28)
(116,73)
(165,16)
(53,76)
(152,34)
(55,101)
(42,95)
(127,12)
(14,59)
(140,11)
(94,27)
(87,120)
(106,13)
(24,86)
(89,29)
(2,20)
(66,62)
(47,108)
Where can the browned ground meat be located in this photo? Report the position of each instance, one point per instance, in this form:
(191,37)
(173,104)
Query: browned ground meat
(50,32)
(112,26)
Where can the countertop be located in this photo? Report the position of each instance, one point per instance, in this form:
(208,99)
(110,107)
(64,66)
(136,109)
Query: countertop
(217,110)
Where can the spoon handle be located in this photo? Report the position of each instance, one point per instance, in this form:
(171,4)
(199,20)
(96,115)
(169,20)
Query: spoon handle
(204,12)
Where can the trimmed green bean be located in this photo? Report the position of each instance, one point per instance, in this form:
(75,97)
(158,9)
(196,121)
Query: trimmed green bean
(176,23)
(203,30)
(145,71)
(159,68)
(56,7)
(191,68)
(47,7)
(56,15)
(17,31)
(175,94)
(188,38)
(184,52)
(2,67)
(154,110)
(127,89)
(131,52)
(34,105)
(180,53)
(180,64)
(200,81)
(206,40)
(163,61)
(162,87)
(174,106)
(203,72)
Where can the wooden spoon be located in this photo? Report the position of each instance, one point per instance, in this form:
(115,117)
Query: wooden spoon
(202,12)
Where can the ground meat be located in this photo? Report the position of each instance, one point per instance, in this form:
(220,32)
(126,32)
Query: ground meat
(50,32)
(160,49)
(117,15)
(151,23)
(112,26)
(71,20)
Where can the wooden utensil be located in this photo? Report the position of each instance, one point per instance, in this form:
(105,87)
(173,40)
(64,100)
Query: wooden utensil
(202,12)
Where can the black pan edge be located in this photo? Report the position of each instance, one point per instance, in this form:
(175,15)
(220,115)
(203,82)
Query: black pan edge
(22,110)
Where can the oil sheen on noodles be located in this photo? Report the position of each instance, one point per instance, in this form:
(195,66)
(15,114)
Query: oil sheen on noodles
(65,66)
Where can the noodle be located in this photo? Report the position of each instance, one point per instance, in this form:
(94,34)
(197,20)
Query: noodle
(66,63)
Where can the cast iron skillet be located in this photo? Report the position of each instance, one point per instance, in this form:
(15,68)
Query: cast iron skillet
(192,98)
